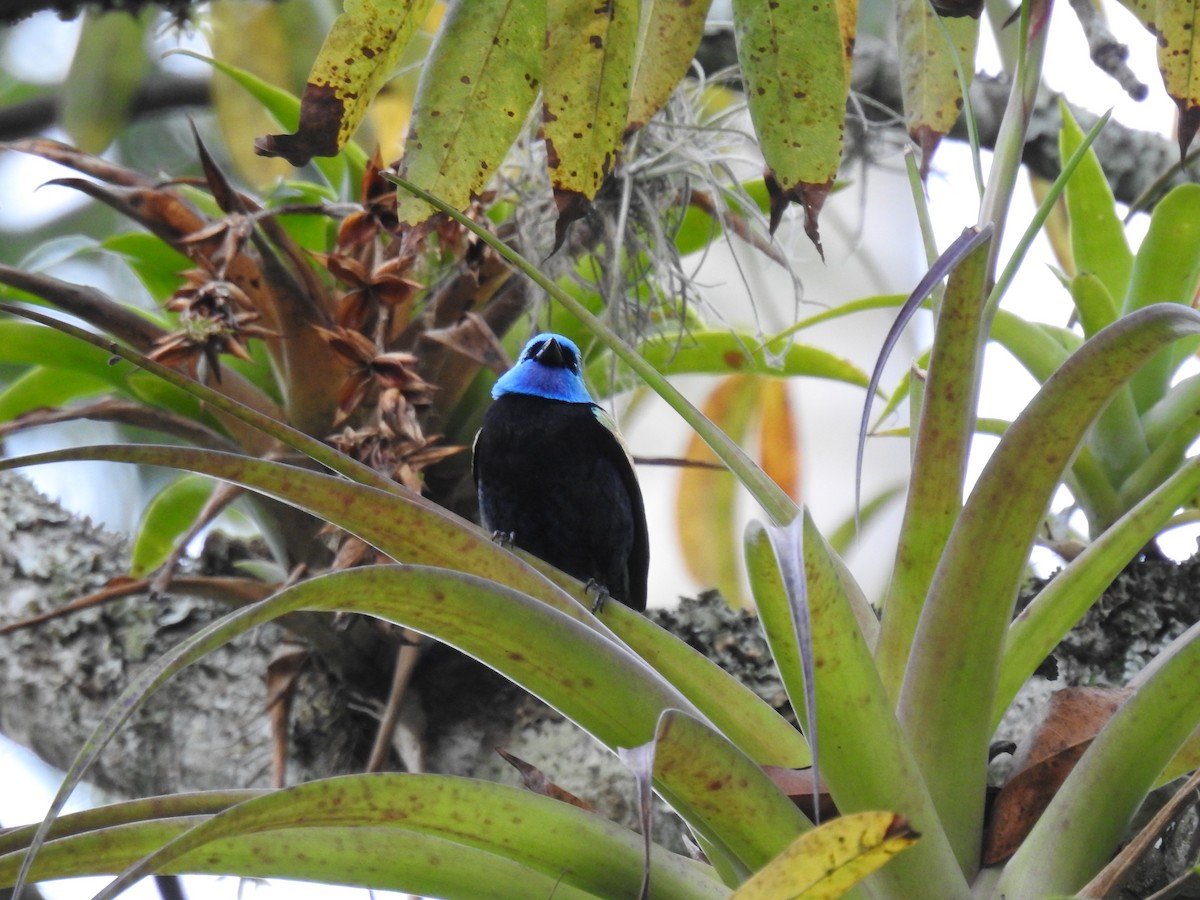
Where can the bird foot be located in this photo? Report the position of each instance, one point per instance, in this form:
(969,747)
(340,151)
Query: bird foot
(601,592)
(506,539)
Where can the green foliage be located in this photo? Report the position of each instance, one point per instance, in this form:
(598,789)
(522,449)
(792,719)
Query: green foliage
(286,348)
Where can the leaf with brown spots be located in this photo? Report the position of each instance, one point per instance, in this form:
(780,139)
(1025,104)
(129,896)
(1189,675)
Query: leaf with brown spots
(929,80)
(482,76)
(668,34)
(1072,719)
(588,62)
(1176,26)
(827,862)
(794,59)
(356,59)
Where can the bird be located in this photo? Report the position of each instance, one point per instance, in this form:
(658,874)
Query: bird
(554,477)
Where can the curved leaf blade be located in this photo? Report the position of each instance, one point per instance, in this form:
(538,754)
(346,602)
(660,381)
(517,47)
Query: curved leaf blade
(553,843)
(826,862)
(962,627)
(1085,821)
(356,59)
(866,759)
(169,514)
(720,791)
(723,352)
(1166,269)
(1098,242)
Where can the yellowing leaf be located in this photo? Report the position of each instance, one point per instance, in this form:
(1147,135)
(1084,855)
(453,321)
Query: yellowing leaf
(705,511)
(252,36)
(780,444)
(826,862)
(929,81)
(1175,24)
(357,57)
(669,33)
(588,64)
(479,84)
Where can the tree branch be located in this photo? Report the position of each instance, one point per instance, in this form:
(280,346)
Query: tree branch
(162,93)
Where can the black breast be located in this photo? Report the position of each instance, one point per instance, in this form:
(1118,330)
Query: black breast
(554,477)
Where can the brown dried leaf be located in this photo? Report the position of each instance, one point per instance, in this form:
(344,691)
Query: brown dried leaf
(798,785)
(535,779)
(1072,719)
(810,196)
(282,671)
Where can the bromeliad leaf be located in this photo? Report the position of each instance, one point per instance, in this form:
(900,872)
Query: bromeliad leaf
(1176,25)
(825,863)
(929,76)
(1098,241)
(588,63)
(669,33)
(355,60)
(483,74)
(796,65)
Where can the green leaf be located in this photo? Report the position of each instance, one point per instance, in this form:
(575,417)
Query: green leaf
(411,529)
(797,80)
(668,35)
(476,90)
(1117,440)
(591,678)
(740,714)
(386,831)
(1093,302)
(944,434)
(588,61)
(865,757)
(1031,344)
(1166,269)
(1098,241)
(723,352)
(156,263)
(1058,606)
(722,793)
(553,844)
(965,618)
(43,387)
(28,344)
(170,513)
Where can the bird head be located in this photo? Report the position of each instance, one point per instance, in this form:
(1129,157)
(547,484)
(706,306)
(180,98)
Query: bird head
(548,367)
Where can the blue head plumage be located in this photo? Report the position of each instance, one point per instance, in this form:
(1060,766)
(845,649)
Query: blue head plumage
(548,367)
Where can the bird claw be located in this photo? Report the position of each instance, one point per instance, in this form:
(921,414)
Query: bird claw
(506,539)
(601,592)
